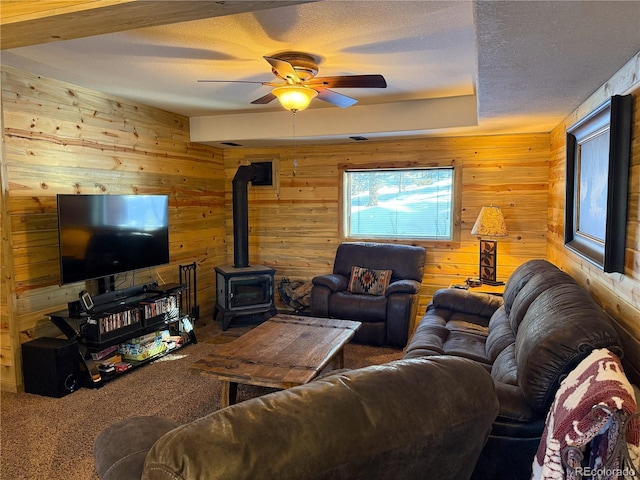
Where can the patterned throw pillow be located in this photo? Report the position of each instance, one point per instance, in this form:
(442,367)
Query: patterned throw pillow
(371,282)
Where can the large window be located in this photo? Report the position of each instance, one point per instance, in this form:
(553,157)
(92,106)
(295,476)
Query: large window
(399,203)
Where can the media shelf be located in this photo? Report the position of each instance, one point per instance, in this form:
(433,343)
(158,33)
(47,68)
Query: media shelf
(103,328)
(119,320)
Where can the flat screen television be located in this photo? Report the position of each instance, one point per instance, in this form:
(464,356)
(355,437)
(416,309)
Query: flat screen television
(103,235)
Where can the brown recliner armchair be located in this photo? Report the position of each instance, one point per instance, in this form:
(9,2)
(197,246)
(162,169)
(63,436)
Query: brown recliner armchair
(387,311)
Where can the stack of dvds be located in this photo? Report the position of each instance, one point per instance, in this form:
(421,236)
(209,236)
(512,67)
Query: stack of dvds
(113,321)
(158,306)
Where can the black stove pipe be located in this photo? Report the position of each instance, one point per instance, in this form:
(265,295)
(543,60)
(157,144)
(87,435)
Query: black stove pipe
(260,174)
(243,176)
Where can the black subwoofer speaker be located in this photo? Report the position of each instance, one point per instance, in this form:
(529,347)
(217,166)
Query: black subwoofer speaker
(51,366)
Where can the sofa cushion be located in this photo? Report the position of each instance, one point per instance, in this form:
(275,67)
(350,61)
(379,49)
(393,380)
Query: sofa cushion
(446,331)
(500,334)
(537,284)
(368,281)
(467,345)
(561,327)
(406,261)
(463,322)
(362,308)
(504,369)
(455,323)
(521,276)
(516,418)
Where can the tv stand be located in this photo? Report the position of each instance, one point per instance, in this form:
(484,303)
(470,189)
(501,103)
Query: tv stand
(119,317)
(107,284)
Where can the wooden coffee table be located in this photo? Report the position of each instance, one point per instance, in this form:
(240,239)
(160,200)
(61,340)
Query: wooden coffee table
(282,352)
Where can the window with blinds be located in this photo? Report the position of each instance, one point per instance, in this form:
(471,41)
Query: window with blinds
(402,203)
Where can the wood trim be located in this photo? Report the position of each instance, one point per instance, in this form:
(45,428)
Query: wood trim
(457,202)
(31,22)
(10,356)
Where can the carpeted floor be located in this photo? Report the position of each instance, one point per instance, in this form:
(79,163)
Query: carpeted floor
(52,438)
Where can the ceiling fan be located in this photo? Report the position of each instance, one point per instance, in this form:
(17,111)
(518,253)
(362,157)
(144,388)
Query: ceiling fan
(300,85)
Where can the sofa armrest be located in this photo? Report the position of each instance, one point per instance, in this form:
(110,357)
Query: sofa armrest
(333,281)
(481,304)
(120,449)
(403,286)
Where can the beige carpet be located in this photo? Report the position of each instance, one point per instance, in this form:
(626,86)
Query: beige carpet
(51,438)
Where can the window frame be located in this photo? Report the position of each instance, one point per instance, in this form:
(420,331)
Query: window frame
(456,204)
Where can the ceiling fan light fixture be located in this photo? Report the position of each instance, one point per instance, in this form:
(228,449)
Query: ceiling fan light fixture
(294,97)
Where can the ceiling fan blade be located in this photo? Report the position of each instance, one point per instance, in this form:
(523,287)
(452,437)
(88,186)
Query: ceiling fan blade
(349,81)
(335,98)
(232,81)
(265,99)
(283,69)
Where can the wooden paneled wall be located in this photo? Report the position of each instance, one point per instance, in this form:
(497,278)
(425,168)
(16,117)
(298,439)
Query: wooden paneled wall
(59,138)
(619,294)
(63,139)
(294,224)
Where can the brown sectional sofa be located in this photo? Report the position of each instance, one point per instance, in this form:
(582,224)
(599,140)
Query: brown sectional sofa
(469,400)
(528,340)
(408,419)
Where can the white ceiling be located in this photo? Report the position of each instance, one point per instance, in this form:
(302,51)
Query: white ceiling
(452,67)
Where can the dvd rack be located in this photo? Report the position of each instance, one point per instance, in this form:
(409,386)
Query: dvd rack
(120,316)
(121,321)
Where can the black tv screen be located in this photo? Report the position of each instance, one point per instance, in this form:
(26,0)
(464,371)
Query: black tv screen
(103,235)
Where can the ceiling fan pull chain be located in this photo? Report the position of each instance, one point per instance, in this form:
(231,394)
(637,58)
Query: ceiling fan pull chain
(295,160)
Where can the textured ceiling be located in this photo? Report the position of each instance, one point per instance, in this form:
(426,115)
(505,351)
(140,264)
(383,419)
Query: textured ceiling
(529,63)
(545,58)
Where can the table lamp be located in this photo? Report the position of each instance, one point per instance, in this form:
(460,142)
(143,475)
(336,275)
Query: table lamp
(490,223)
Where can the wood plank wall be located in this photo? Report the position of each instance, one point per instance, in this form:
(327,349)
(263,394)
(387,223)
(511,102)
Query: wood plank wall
(294,224)
(59,138)
(619,294)
(63,139)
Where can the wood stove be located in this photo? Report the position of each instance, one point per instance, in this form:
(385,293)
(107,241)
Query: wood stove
(243,289)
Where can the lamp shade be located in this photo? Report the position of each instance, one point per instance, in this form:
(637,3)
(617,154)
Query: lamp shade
(490,223)
(294,97)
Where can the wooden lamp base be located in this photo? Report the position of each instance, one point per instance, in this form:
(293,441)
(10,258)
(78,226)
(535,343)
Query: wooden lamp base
(488,260)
